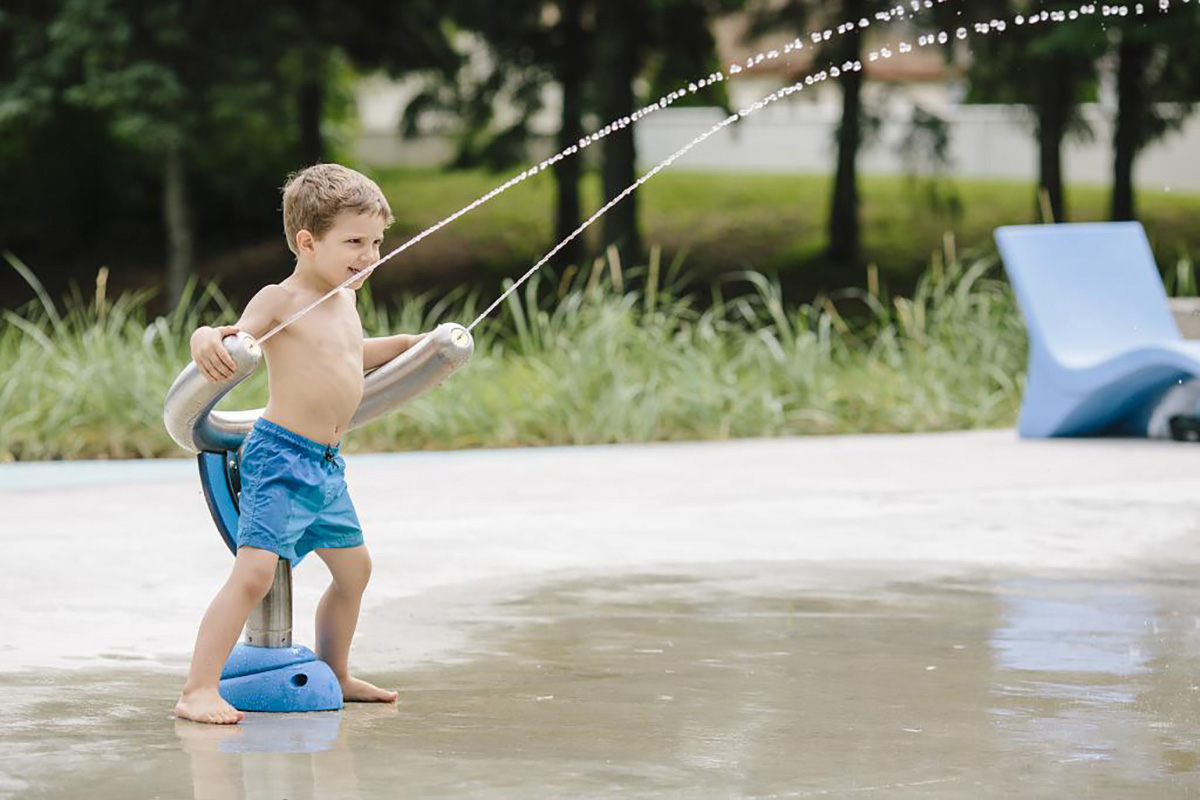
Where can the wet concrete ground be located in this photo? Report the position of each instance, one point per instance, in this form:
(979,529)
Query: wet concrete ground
(998,619)
(756,680)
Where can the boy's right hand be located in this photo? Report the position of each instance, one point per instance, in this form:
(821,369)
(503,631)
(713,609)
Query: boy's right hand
(210,355)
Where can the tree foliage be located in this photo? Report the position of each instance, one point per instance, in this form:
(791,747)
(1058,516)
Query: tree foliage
(597,55)
(179,114)
(187,112)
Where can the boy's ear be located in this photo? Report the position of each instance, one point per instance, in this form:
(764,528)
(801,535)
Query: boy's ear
(304,241)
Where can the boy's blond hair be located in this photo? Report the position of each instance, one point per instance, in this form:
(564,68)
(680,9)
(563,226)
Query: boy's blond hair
(313,197)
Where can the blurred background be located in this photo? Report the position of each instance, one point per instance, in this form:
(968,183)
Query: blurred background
(143,144)
(151,136)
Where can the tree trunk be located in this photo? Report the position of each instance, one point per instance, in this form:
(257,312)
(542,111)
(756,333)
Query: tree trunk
(567,173)
(311,102)
(310,97)
(844,233)
(1055,103)
(177,218)
(619,47)
(1129,134)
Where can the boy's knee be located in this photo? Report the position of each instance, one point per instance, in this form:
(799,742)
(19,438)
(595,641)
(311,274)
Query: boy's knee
(355,575)
(362,571)
(257,583)
(254,575)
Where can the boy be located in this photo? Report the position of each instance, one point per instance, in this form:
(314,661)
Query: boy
(294,497)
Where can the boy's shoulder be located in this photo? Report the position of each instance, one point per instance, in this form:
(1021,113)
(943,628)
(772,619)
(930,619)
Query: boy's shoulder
(275,292)
(273,297)
(269,306)
(281,294)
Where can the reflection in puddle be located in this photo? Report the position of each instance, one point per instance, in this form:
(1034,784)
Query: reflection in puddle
(751,680)
(1077,679)
(259,758)
(1072,627)
(266,733)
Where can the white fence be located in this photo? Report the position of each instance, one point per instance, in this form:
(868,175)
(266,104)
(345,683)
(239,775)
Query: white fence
(797,137)
(984,141)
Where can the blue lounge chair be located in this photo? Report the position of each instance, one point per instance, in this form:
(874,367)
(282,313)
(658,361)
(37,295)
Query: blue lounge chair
(1103,345)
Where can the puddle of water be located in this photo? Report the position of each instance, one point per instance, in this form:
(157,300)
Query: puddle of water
(758,680)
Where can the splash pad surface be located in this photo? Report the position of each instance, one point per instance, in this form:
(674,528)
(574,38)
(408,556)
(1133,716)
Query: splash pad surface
(746,618)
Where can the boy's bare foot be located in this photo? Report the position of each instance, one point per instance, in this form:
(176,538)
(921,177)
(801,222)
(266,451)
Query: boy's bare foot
(207,705)
(359,691)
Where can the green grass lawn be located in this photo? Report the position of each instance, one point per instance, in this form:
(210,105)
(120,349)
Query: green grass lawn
(721,222)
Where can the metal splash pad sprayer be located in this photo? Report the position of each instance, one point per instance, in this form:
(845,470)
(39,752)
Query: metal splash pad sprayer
(266,671)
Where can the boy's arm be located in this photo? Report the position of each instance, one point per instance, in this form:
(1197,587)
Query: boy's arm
(260,315)
(377,352)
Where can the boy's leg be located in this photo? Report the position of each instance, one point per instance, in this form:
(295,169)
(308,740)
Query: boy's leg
(337,617)
(253,573)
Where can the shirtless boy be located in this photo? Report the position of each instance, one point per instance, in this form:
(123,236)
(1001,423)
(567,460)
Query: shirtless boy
(294,498)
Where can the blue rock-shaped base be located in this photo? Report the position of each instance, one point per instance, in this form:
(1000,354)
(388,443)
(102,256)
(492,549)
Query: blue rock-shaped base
(279,679)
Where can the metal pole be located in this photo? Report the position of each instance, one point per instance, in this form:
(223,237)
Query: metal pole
(270,623)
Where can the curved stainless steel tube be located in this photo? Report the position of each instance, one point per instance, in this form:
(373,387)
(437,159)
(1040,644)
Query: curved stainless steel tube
(194,424)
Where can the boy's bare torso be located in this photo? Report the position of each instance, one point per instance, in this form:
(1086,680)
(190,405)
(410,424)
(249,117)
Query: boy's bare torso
(315,365)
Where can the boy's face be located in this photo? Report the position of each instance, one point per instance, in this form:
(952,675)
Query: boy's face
(349,246)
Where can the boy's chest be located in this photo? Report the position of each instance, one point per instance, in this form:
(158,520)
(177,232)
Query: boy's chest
(331,330)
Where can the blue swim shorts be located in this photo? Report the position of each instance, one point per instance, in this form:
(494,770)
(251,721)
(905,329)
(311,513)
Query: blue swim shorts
(294,497)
